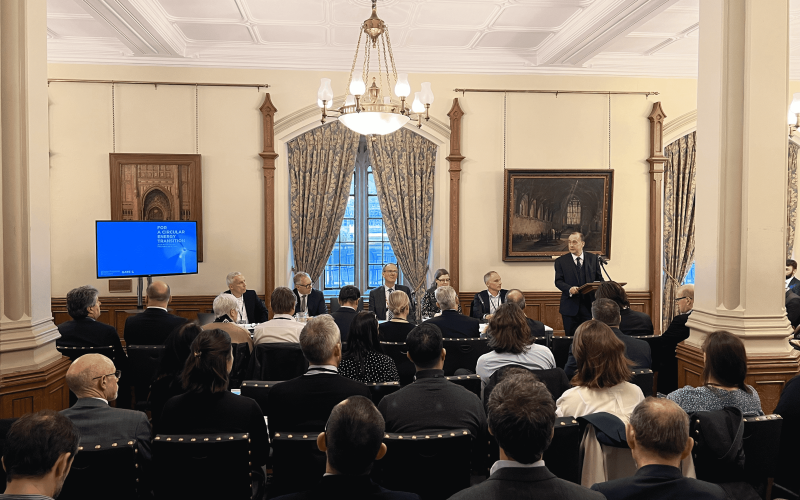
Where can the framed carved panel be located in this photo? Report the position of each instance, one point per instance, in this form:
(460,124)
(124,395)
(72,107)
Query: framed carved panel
(157,187)
(543,207)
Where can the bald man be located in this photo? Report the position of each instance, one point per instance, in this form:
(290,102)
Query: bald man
(664,350)
(154,324)
(94,378)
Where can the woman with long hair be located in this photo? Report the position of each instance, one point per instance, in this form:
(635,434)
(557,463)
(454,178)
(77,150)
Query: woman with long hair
(168,381)
(723,379)
(601,379)
(363,359)
(429,308)
(397,328)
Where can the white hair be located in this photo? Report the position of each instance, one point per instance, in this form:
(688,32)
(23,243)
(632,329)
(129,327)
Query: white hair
(231,276)
(446,297)
(224,303)
(299,276)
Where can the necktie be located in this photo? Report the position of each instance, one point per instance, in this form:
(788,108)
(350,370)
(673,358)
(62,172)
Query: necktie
(303,305)
(581,278)
(389,314)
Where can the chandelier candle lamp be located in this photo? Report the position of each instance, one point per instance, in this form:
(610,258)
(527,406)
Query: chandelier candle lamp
(370,111)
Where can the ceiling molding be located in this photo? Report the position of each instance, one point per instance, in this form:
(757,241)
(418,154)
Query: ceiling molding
(680,126)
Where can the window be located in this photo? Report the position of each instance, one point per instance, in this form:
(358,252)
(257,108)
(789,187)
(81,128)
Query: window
(689,279)
(362,247)
(574,212)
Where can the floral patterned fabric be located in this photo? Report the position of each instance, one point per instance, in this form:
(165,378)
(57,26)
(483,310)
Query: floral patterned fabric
(791,199)
(321,165)
(679,213)
(404,165)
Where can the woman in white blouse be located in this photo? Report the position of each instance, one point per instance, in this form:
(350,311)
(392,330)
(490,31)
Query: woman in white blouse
(602,377)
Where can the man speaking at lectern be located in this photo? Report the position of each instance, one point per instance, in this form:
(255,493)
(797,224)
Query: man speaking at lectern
(573,270)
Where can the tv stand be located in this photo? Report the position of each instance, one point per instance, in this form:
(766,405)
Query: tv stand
(139,289)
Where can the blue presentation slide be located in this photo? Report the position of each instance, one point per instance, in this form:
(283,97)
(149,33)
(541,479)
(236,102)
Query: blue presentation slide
(133,248)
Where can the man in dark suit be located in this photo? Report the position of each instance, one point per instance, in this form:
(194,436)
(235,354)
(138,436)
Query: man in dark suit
(607,311)
(485,303)
(352,441)
(450,322)
(305,403)
(522,415)
(516,297)
(792,308)
(377,296)
(664,360)
(348,302)
(310,301)
(633,322)
(572,271)
(792,283)
(658,436)
(251,308)
(154,324)
(84,330)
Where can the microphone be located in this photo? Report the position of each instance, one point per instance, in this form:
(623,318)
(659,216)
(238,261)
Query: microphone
(603,261)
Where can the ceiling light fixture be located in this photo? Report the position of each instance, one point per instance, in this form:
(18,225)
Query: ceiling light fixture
(369,111)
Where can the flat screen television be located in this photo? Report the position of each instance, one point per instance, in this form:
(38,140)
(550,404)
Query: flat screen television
(130,249)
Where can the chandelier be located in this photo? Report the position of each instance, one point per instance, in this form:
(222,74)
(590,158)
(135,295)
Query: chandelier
(372,111)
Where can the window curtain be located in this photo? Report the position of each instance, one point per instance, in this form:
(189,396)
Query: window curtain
(403,165)
(791,199)
(321,165)
(679,212)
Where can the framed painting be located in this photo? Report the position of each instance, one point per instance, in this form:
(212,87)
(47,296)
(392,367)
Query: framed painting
(543,207)
(157,187)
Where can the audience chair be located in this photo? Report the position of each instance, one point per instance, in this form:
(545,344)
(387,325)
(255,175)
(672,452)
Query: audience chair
(434,464)
(143,361)
(381,389)
(399,354)
(205,318)
(277,361)
(335,304)
(463,353)
(560,347)
(76,352)
(107,470)
(762,437)
(540,341)
(471,383)
(259,391)
(205,466)
(644,379)
(554,379)
(297,463)
(241,364)
(5,425)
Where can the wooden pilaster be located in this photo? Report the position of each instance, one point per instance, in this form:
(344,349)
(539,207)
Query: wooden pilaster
(455,159)
(268,156)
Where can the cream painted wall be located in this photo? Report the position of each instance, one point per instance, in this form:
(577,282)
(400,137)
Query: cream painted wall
(569,132)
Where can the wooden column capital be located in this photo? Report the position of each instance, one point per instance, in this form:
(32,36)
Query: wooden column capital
(454,159)
(268,156)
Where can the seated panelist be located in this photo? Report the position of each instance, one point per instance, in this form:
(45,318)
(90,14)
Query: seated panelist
(310,301)
(249,305)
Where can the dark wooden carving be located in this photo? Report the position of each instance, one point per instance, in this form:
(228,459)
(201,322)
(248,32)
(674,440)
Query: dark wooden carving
(268,156)
(454,159)
(657,160)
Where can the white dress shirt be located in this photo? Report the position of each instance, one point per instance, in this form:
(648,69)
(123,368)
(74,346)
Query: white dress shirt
(500,464)
(281,328)
(619,400)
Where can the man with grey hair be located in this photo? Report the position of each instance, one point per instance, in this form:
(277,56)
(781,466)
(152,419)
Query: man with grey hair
(379,295)
(664,359)
(515,296)
(154,324)
(226,317)
(94,378)
(658,436)
(250,306)
(84,330)
(486,302)
(304,403)
(450,322)
(282,327)
(310,301)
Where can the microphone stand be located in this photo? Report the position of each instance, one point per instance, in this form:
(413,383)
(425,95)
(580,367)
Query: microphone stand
(603,261)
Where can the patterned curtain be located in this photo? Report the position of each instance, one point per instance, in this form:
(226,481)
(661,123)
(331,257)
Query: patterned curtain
(321,165)
(679,211)
(791,199)
(403,164)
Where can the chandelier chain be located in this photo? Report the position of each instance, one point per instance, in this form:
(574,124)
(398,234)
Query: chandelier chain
(391,55)
(113,121)
(505,126)
(380,74)
(386,64)
(355,57)
(609,131)
(366,63)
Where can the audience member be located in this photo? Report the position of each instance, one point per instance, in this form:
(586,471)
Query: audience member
(429,306)
(397,328)
(631,322)
(792,283)
(83,305)
(282,327)
(431,402)
(168,382)
(378,296)
(352,441)
(38,454)
(450,322)
(521,418)
(664,349)
(154,324)
(348,302)
(226,320)
(788,459)
(363,359)
(725,369)
(601,380)
(792,304)
(607,311)
(250,307)
(304,403)
(308,300)
(207,406)
(658,436)
(515,296)
(485,303)
(512,344)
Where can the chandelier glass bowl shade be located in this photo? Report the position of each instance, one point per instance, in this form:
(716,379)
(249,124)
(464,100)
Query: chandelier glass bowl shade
(371,110)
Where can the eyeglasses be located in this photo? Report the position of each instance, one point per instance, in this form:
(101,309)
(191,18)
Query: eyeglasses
(443,280)
(306,286)
(117,374)
(680,299)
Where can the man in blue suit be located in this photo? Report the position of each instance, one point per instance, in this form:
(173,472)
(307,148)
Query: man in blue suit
(572,271)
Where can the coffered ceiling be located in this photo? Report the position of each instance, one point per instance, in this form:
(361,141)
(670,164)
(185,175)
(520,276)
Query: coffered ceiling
(613,37)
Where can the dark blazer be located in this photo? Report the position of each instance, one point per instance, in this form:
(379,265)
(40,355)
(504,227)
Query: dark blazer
(305,403)
(793,308)
(794,285)
(315,302)
(340,487)
(394,331)
(656,482)
(481,305)
(789,460)
(343,317)
(664,353)
(537,327)
(522,483)
(636,350)
(567,277)
(377,301)
(87,332)
(151,327)
(455,325)
(635,322)
(102,424)
(256,309)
